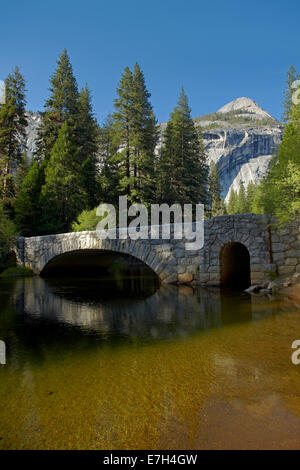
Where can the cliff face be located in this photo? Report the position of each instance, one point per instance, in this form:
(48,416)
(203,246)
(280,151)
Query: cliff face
(34,121)
(240,137)
(241,154)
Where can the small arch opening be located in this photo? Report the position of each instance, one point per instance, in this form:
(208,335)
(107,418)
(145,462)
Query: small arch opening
(235,265)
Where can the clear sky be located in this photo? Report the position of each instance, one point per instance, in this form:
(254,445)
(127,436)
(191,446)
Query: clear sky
(218,50)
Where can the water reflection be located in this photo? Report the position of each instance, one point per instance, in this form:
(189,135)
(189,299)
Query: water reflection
(122,364)
(134,307)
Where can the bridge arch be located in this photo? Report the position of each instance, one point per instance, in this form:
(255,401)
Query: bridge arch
(88,262)
(40,251)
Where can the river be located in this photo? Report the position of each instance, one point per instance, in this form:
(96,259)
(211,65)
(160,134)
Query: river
(122,363)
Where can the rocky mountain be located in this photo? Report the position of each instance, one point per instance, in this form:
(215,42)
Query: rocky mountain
(240,137)
(245,107)
(241,154)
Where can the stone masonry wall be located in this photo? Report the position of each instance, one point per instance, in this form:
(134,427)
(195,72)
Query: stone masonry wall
(286,249)
(271,251)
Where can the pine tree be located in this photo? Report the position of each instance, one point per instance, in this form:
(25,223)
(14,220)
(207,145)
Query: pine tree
(110,161)
(232,202)
(63,194)
(87,142)
(144,129)
(123,118)
(21,171)
(250,195)
(242,207)
(7,232)
(12,133)
(182,167)
(135,126)
(216,204)
(60,106)
(292,76)
(30,215)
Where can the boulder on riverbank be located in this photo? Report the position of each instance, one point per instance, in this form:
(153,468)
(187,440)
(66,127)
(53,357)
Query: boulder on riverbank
(278,285)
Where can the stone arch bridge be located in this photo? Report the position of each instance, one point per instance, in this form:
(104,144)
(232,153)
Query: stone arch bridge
(235,247)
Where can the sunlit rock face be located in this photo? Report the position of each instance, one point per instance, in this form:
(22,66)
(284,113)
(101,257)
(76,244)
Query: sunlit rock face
(245,106)
(241,154)
(240,138)
(34,121)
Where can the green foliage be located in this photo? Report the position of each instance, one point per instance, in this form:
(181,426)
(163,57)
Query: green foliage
(28,209)
(60,106)
(291,76)
(216,204)
(87,136)
(7,233)
(232,202)
(63,194)
(278,194)
(86,221)
(135,131)
(17,271)
(242,203)
(182,168)
(64,178)
(109,158)
(12,132)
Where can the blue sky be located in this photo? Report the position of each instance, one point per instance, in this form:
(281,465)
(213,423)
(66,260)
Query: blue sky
(218,50)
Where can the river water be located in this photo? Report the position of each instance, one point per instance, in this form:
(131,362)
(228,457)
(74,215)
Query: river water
(121,363)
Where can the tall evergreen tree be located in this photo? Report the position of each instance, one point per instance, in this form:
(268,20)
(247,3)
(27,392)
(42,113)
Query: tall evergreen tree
(216,204)
(242,206)
(232,202)
(87,137)
(68,120)
(60,106)
(182,167)
(30,214)
(12,133)
(110,161)
(135,125)
(123,118)
(291,77)
(145,136)
(250,196)
(63,194)
(7,232)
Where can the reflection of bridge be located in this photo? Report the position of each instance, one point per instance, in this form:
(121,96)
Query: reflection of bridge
(235,248)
